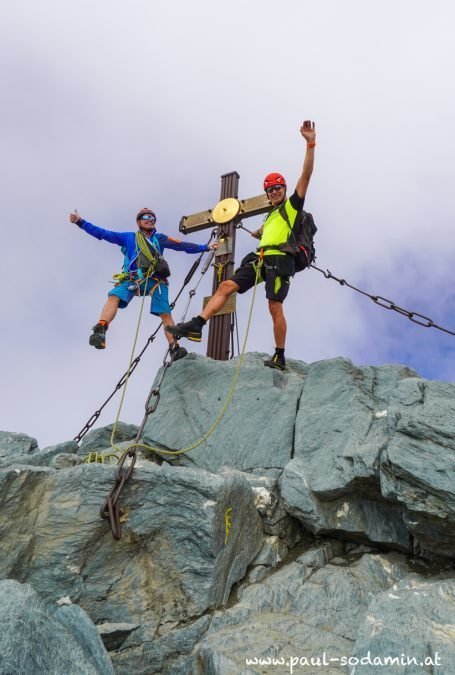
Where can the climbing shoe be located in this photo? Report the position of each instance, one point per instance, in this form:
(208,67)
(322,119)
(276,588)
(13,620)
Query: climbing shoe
(192,330)
(98,338)
(277,361)
(177,353)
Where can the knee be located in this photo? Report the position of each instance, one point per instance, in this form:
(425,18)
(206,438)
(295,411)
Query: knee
(275,308)
(227,287)
(166,318)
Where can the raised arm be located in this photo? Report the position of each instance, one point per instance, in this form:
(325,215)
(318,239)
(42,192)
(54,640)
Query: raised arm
(119,238)
(188,247)
(308,131)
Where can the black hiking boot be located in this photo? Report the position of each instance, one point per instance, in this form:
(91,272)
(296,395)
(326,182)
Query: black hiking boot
(177,353)
(192,330)
(277,361)
(98,338)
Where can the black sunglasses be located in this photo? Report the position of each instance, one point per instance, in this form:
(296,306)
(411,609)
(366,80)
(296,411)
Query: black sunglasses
(148,216)
(274,188)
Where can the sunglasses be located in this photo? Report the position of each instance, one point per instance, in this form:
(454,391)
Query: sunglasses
(148,216)
(274,188)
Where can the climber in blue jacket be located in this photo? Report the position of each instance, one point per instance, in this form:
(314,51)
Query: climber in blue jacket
(145,272)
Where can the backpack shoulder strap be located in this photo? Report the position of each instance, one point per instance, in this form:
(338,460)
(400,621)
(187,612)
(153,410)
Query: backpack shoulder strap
(284,215)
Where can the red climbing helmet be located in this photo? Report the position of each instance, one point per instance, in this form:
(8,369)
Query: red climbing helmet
(274,179)
(143,211)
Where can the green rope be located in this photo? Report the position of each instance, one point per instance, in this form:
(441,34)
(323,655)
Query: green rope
(114,430)
(226,403)
(101,458)
(142,243)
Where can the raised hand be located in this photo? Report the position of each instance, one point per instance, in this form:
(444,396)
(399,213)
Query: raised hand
(308,131)
(74,216)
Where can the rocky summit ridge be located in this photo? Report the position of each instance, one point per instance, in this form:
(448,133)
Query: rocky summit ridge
(315,522)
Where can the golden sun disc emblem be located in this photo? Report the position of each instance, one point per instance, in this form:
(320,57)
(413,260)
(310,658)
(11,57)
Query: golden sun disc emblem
(226,210)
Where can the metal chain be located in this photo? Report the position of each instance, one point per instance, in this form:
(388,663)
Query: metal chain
(91,421)
(417,318)
(110,509)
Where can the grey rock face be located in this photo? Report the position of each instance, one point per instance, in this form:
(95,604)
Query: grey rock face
(306,608)
(374,457)
(35,638)
(411,623)
(48,456)
(272,553)
(366,453)
(170,652)
(65,460)
(276,521)
(12,444)
(188,537)
(341,425)
(418,465)
(100,439)
(115,634)
(21,449)
(348,517)
(363,455)
(257,429)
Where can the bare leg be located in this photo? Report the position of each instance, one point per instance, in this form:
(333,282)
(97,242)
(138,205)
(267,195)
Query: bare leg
(279,323)
(219,299)
(110,309)
(168,321)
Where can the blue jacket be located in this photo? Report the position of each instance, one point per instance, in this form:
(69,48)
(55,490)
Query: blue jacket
(127,240)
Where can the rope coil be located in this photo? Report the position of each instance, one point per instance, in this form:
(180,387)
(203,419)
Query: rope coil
(110,509)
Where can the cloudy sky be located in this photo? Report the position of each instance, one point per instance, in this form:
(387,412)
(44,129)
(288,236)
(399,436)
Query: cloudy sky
(109,106)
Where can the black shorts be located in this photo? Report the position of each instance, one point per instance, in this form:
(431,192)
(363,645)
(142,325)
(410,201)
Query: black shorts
(273,272)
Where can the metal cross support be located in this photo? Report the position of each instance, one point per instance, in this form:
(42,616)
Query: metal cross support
(227,215)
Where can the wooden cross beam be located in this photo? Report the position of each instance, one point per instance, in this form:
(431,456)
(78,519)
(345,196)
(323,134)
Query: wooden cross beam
(253,206)
(226,215)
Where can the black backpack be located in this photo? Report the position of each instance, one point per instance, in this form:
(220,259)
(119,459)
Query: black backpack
(300,241)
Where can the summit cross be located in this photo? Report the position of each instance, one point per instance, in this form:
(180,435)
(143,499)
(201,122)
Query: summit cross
(226,216)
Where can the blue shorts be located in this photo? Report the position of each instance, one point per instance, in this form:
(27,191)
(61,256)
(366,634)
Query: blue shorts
(159,290)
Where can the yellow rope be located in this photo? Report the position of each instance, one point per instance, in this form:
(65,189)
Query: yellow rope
(96,457)
(226,403)
(149,272)
(141,241)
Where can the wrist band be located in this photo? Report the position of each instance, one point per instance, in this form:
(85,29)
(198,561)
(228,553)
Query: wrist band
(312,145)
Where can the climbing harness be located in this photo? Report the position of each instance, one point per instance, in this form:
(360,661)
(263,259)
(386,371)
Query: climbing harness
(92,420)
(110,510)
(149,262)
(120,277)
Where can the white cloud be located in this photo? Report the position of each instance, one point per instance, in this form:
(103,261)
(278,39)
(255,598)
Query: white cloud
(111,106)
